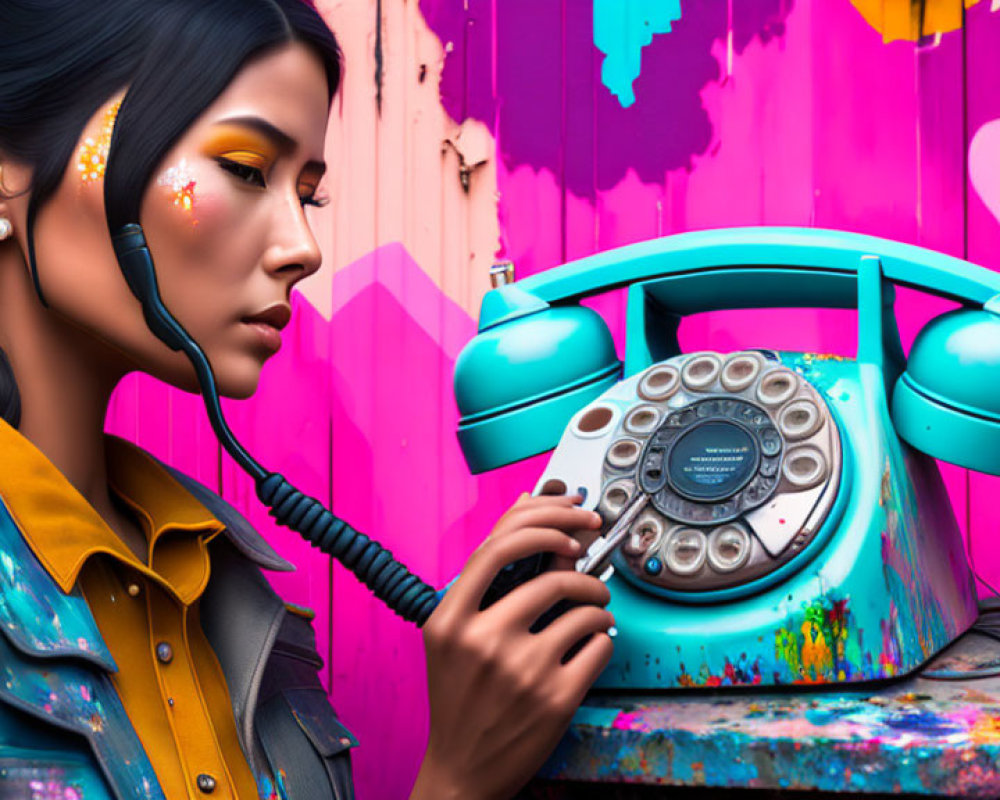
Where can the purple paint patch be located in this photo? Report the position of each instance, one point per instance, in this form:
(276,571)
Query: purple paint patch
(539,54)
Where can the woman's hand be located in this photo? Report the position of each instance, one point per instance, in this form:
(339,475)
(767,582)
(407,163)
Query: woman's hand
(501,696)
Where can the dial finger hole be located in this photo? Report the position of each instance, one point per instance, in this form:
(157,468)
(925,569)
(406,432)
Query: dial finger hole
(642,420)
(616,497)
(594,421)
(728,548)
(659,383)
(644,535)
(740,371)
(553,486)
(684,551)
(799,419)
(777,386)
(804,467)
(701,371)
(624,453)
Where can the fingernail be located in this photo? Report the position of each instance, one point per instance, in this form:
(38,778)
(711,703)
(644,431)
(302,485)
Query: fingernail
(575,546)
(596,519)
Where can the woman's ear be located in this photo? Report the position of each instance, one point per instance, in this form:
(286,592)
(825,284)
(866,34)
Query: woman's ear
(15,179)
(6,224)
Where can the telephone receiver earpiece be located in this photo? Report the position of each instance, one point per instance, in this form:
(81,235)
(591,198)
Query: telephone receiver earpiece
(947,403)
(518,383)
(539,357)
(375,566)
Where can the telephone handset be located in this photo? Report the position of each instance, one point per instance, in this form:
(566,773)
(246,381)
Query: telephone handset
(766,522)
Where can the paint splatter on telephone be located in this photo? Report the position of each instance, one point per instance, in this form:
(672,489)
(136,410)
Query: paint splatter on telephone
(770,517)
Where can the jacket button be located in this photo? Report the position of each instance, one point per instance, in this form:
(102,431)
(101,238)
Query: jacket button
(164,652)
(206,783)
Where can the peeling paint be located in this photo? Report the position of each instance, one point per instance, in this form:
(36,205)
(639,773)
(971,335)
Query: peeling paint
(473,145)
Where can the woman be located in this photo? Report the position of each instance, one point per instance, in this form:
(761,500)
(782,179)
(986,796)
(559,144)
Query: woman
(143,653)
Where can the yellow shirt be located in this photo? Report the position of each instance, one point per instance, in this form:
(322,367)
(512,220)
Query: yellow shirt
(168,677)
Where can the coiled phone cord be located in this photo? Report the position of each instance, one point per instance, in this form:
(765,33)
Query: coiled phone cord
(390,581)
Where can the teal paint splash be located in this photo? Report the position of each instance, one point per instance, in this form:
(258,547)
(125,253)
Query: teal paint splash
(621,29)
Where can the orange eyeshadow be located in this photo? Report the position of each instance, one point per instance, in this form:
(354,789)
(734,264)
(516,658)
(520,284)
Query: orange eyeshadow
(240,144)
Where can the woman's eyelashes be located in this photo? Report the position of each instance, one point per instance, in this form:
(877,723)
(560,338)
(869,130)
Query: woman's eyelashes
(254,176)
(247,173)
(316,198)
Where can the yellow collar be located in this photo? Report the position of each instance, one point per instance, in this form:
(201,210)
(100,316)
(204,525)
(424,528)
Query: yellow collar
(63,529)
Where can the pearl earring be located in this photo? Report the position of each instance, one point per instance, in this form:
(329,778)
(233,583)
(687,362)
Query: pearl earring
(6,229)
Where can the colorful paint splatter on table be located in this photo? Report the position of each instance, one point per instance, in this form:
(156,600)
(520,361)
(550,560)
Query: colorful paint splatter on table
(928,735)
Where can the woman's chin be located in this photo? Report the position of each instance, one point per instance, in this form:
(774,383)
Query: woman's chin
(238,391)
(239,384)
(236,380)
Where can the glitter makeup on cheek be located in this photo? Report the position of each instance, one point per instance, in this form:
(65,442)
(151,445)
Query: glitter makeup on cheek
(182,184)
(92,157)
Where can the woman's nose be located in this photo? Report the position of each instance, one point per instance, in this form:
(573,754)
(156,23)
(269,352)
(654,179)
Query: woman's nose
(293,245)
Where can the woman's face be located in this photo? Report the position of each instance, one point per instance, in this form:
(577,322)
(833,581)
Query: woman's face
(224,216)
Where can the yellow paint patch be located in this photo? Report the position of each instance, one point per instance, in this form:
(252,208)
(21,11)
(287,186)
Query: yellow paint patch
(986,730)
(910,20)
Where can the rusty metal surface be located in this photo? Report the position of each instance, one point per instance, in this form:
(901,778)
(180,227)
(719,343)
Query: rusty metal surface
(936,733)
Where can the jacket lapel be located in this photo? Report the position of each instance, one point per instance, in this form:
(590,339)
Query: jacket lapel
(241,616)
(36,616)
(240,533)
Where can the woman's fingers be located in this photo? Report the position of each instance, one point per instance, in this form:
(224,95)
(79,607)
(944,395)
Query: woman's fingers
(530,501)
(574,625)
(585,538)
(494,554)
(579,673)
(552,513)
(530,600)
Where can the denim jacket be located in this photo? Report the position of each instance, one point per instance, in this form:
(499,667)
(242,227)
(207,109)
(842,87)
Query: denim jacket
(63,730)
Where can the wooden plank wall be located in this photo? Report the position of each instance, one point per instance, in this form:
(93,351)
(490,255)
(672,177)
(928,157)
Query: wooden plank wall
(471,128)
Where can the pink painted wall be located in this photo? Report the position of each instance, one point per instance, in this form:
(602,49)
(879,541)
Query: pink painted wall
(766,112)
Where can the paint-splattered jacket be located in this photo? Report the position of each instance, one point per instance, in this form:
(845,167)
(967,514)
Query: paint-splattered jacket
(63,731)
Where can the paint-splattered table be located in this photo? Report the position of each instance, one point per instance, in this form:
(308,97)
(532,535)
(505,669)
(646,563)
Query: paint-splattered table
(935,733)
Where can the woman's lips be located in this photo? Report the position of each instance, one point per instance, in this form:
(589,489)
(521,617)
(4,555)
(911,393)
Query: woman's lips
(270,337)
(267,325)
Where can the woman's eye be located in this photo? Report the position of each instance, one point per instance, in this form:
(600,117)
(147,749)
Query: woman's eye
(244,172)
(315,200)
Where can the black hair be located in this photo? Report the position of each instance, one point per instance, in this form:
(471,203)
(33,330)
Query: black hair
(60,60)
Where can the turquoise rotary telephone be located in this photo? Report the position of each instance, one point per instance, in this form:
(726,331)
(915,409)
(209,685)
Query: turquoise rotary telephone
(769,517)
